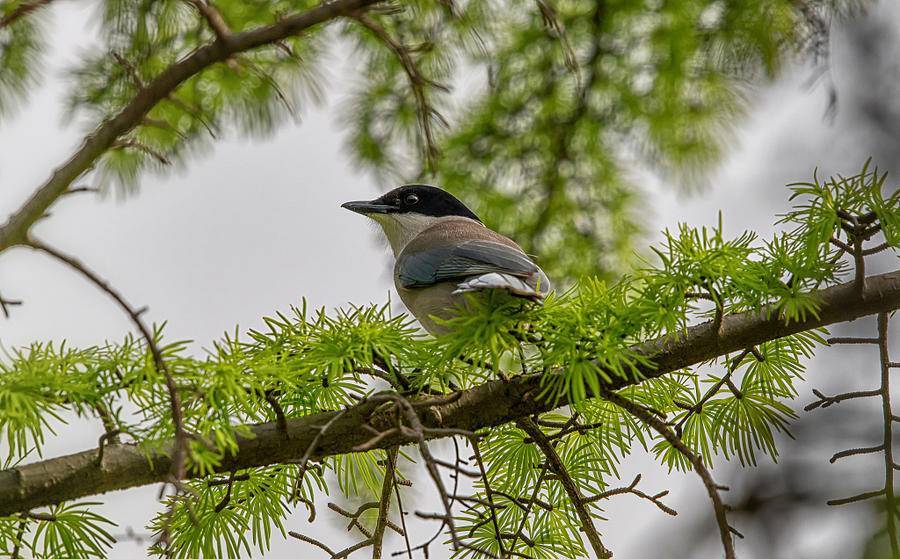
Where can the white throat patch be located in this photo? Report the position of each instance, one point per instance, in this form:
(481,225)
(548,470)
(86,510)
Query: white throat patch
(401,228)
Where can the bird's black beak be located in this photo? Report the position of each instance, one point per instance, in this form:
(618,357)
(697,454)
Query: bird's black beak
(365,208)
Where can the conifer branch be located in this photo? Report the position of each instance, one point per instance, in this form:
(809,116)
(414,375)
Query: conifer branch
(712,488)
(22,10)
(180,448)
(418,83)
(726,379)
(15,230)
(558,467)
(491,404)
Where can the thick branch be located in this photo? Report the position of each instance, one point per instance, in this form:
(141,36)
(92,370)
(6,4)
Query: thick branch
(15,230)
(488,405)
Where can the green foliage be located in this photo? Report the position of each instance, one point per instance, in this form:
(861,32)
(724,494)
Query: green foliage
(225,520)
(817,215)
(66,530)
(578,94)
(579,341)
(21,49)
(576,91)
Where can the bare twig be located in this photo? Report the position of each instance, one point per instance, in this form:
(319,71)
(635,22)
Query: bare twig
(826,401)
(20,535)
(384,505)
(855,452)
(833,341)
(375,537)
(857,498)
(402,516)
(6,303)
(488,492)
(304,460)
(227,498)
(334,554)
(632,488)
(417,431)
(887,444)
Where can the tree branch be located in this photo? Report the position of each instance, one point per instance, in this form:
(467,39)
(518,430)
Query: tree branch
(712,489)
(15,230)
(22,10)
(493,403)
(559,468)
(888,441)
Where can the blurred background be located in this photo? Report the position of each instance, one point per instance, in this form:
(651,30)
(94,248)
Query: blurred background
(254,225)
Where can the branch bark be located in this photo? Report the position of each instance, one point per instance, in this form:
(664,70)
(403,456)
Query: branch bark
(488,405)
(15,230)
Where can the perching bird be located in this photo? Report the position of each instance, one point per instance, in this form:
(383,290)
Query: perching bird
(442,251)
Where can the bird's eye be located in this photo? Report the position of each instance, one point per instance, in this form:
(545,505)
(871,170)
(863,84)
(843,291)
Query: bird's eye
(412,200)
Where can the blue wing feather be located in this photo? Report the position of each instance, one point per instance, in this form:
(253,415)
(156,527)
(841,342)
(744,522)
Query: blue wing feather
(448,263)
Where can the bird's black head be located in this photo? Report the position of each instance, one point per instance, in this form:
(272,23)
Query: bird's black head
(414,198)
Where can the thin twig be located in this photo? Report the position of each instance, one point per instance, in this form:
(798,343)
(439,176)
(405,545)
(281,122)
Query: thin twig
(488,492)
(855,452)
(6,303)
(280,419)
(214,18)
(711,488)
(180,451)
(714,389)
(632,488)
(857,498)
(826,401)
(384,504)
(558,467)
(417,81)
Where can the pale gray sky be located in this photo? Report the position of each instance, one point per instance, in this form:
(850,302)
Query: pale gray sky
(255,226)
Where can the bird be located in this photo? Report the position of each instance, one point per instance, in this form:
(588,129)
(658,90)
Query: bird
(442,252)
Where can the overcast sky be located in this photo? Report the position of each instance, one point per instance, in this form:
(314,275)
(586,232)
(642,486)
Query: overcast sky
(255,226)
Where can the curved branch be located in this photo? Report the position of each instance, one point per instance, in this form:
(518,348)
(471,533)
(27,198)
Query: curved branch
(487,405)
(15,230)
(22,10)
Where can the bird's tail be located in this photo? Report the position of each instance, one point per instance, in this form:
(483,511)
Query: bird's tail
(506,282)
